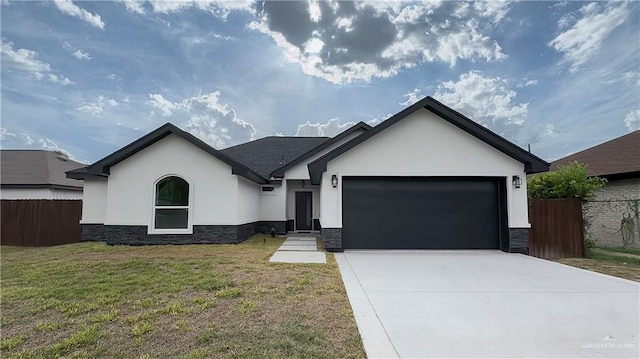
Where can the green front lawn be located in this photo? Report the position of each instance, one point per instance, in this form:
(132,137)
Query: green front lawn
(90,300)
(621,250)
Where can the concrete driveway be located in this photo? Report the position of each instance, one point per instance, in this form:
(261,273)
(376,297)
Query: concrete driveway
(487,304)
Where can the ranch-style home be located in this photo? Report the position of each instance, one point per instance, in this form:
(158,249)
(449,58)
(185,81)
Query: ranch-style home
(426,178)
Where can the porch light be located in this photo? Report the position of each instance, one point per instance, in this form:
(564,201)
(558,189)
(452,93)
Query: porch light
(517,181)
(334,181)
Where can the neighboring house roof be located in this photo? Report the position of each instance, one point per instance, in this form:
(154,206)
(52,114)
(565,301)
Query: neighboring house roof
(619,157)
(37,169)
(532,163)
(279,172)
(102,167)
(267,154)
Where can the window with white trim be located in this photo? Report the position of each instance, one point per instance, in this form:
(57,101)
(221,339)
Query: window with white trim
(171,205)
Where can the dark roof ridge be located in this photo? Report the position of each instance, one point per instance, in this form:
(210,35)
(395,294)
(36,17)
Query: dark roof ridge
(101,167)
(279,172)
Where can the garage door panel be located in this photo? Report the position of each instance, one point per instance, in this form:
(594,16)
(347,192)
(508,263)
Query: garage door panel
(425,213)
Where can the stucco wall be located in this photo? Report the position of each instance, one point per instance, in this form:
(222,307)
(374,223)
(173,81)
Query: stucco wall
(213,188)
(248,201)
(607,209)
(301,172)
(94,206)
(272,205)
(38,193)
(423,144)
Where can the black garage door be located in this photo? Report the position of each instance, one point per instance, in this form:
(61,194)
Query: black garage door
(422,213)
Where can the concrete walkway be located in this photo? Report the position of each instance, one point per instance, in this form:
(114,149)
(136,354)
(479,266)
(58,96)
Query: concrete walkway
(299,250)
(487,304)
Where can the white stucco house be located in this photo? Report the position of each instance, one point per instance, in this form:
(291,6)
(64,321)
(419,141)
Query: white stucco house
(426,178)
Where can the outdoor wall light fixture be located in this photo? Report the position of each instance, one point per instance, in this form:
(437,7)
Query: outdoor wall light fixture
(334,181)
(517,181)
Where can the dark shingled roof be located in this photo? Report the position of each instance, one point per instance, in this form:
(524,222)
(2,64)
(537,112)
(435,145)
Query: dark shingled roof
(613,158)
(37,169)
(266,154)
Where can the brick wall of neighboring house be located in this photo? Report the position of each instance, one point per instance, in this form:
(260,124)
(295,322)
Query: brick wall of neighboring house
(606,211)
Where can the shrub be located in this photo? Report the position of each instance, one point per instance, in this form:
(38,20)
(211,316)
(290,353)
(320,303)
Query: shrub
(570,181)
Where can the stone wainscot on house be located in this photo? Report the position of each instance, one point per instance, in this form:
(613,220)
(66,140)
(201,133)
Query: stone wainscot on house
(613,212)
(426,178)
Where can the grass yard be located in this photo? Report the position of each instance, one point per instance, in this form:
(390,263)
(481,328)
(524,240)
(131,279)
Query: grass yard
(626,268)
(90,300)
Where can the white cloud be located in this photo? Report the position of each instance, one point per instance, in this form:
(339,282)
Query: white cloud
(162,104)
(26,60)
(328,129)
(549,130)
(59,79)
(357,41)
(632,77)
(75,52)
(527,82)
(487,100)
(632,120)
(206,118)
(23,59)
(412,96)
(96,108)
(580,42)
(69,8)
(220,8)
(134,6)
(331,128)
(81,55)
(21,140)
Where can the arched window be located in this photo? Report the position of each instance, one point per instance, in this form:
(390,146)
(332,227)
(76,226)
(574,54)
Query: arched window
(171,206)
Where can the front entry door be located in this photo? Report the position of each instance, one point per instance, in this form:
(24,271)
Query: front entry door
(303,210)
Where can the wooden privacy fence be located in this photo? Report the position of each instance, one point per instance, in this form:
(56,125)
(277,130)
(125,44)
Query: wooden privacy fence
(35,223)
(557,229)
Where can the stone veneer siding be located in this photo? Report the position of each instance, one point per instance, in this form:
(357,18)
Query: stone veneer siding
(202,234)
(332,239)
(265,227)
(607,209)
(519,240)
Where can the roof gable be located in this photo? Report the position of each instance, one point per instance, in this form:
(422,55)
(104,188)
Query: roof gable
(37,169)
(612,158)
(532,163)
(279,173)
(102,167)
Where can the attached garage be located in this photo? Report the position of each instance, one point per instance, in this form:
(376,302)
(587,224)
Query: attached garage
(426,178)
(424,213)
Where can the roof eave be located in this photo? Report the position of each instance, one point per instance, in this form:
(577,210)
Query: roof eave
(532,163)
(102,167)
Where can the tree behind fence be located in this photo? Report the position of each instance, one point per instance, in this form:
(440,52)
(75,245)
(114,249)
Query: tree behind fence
(556,228)
(40,222)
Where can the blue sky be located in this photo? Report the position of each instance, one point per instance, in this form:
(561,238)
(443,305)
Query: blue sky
(89,77)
